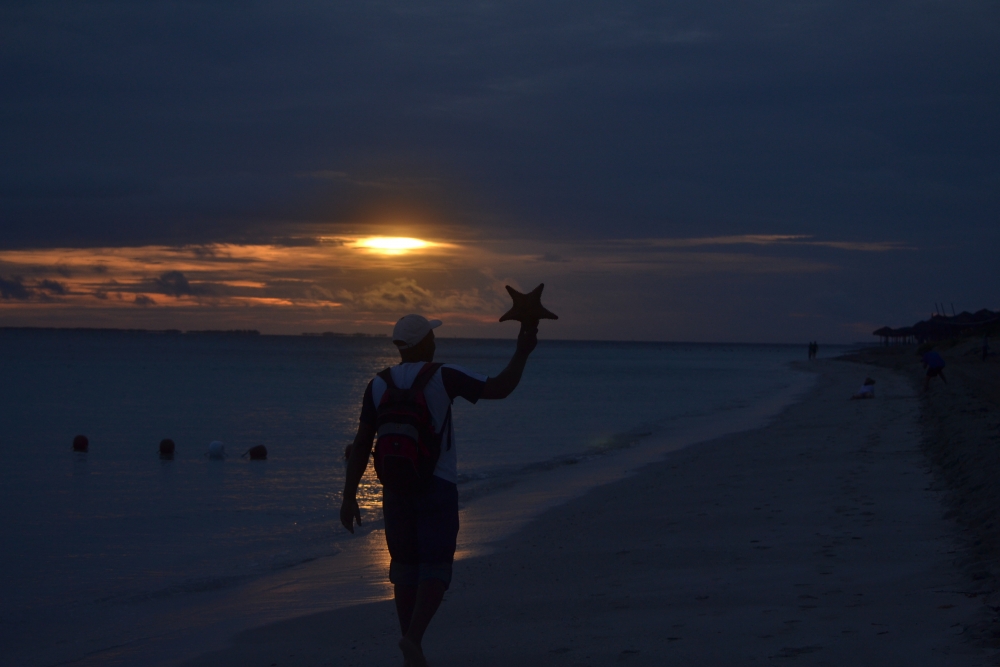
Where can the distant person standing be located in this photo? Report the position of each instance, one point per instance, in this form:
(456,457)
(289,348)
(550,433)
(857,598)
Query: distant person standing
(406,410)
(935,367)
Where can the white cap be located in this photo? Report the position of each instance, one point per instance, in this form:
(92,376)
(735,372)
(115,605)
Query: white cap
(411,329)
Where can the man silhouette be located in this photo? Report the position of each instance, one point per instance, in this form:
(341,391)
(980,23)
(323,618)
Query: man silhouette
(421,529)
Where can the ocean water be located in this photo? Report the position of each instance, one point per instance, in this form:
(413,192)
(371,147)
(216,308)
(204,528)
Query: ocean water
(117,527)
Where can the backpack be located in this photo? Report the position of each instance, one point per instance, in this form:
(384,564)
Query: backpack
(406,445)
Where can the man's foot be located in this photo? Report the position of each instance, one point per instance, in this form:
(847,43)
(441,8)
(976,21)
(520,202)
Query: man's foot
(412,653)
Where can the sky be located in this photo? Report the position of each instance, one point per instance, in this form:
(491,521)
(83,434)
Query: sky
(768,171)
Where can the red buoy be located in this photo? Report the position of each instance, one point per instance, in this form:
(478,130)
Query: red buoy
(257,453)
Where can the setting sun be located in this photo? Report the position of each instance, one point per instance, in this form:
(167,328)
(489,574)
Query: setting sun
(393,245)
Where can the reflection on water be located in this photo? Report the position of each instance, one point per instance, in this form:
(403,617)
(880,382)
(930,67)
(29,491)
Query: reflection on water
(369,495)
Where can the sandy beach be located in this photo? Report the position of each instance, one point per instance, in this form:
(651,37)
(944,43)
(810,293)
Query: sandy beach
(961,434)
(825,538)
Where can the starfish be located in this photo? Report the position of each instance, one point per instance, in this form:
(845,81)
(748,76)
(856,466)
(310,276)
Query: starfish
(527,307)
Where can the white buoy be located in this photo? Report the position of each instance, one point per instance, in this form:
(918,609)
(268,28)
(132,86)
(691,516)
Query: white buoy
(216,450)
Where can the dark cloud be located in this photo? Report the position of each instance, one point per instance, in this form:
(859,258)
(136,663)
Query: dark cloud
(301,241)
(52,287)
(72,186)
(175,284)
(552,257)
(143,300)
(202,251)
(126,124)
(13,288)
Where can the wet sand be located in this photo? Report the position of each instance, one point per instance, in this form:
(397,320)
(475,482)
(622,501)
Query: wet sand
(820,538)
(961,424)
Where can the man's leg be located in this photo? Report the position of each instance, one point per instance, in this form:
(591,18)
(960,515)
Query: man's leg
(406,600)
(429,594)
(402,541)
(437,535)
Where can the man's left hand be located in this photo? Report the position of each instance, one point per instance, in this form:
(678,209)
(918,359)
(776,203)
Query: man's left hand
(349,513)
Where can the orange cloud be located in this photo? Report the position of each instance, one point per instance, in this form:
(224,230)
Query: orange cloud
(364,280)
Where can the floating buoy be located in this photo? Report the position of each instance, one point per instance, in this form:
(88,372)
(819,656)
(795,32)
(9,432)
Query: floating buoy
(216,450)
(256,453)
(166,449)
(80,443)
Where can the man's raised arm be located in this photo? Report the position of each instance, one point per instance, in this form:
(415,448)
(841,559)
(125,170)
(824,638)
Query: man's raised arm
(503,384)
(356,464)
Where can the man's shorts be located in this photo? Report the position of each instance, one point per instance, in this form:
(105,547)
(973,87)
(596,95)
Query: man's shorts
(421,531)
(934,372)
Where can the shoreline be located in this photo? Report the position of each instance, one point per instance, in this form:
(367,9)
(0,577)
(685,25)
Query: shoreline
(498,515)
(815,536)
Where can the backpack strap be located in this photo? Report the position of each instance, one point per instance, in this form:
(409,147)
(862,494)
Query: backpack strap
(419,382)
(386,376)
(447,429)
(425,375)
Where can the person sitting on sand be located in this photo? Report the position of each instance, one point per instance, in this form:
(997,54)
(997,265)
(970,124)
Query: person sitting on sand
(867,390)
(935,367)
(421,527)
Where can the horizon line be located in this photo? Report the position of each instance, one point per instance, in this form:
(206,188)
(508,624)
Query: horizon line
(361,335)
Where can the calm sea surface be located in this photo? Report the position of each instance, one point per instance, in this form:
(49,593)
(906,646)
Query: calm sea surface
(117,524)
